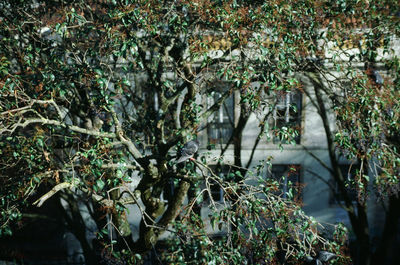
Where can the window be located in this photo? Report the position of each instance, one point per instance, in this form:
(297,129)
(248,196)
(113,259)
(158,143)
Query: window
(217,192)
(220,123)
(287,114)
(349,173)
(288,176)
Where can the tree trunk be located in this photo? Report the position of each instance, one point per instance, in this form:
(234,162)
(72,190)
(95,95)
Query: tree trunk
(237,140)
(387,246)
(361,229)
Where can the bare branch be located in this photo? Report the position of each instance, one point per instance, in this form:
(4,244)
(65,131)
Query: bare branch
(54,190)
(45,121)
(124,139)
(322,163)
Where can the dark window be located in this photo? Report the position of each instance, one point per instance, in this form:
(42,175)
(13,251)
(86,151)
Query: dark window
(287,115)
(220,124)
(349,173)
(217,192)
(288,177)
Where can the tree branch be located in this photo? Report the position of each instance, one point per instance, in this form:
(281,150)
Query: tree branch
(74,184)
(45,121)
(39,202)
(124,139)
(322,163)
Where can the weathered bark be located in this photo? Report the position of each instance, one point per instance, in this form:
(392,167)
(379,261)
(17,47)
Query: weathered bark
(150,232)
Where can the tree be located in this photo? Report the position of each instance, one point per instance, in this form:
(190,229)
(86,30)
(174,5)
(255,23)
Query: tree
(97,94)
(362,102)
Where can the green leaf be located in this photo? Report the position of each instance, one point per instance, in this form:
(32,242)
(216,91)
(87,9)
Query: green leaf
(100,184)
(39,142)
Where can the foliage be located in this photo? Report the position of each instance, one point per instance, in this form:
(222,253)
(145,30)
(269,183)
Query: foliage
(245,226)
(374,134)
(96,95)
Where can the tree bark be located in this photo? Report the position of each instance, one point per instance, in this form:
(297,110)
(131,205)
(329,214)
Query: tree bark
(387,245)
(150,232)
(237,139)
